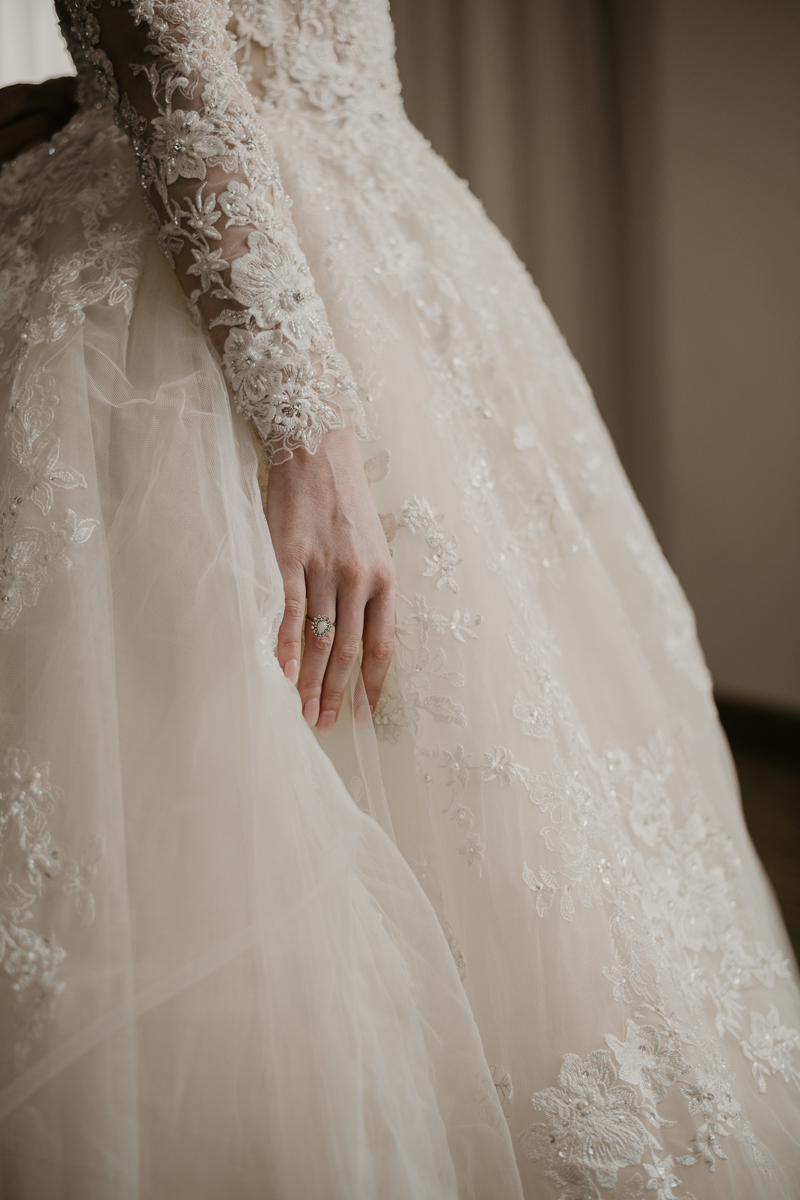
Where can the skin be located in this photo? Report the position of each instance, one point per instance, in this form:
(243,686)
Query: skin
(328,540)
(334,559)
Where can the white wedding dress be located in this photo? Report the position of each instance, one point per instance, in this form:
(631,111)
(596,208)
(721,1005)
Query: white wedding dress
(219,976)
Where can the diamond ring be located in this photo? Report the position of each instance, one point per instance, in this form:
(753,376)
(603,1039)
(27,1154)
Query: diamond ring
(320,625)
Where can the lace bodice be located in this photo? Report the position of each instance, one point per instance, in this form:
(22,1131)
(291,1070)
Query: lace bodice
(324,57)
(185,77)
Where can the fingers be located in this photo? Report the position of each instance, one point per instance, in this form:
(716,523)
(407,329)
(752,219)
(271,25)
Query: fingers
(324,668)
(379,628)
(291,630)
(343,655)
(321,602)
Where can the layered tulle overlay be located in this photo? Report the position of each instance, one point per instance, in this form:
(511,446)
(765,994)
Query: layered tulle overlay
(220,977)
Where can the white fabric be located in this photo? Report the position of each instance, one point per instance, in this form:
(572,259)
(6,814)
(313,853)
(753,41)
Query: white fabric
(236,1019)
(259,997)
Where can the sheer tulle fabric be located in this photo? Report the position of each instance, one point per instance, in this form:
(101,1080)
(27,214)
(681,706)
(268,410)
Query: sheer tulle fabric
(263,1004)
(553,764)
(261,995)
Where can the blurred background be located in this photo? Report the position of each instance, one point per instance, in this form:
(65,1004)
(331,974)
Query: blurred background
(643,158)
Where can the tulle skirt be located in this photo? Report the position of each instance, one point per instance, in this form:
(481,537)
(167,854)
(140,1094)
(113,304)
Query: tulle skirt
(221,976)
(553,765)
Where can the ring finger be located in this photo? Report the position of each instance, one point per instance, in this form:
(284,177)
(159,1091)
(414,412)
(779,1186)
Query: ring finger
(320,632)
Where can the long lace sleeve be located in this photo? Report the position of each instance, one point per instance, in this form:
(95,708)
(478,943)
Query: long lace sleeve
(213,190)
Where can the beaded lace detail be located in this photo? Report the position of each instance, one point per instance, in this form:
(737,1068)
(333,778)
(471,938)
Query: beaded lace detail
(622,836)
(213,189)
(33,866)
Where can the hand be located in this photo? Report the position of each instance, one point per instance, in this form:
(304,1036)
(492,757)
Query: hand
(333,557)
(33,112)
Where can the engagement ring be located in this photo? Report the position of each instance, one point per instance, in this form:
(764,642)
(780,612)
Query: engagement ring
(320,625)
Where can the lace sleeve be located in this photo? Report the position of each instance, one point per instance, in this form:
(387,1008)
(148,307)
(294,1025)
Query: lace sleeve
(213,189)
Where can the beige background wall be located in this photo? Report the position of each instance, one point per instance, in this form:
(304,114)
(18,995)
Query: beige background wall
(643,156)
(729,226)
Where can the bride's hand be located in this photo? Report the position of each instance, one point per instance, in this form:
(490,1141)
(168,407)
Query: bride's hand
(333,556)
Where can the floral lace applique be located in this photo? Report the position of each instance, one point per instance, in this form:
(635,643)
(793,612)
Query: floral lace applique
(36,534)
(32,866)
(416,667)
(593,1124)
(332,60)
(419,515)
(499,764)
(388,719)
(595,1127)
(426,621)
(669,912)
(771,1048)
(457,766)
(211,183)
(647,1062)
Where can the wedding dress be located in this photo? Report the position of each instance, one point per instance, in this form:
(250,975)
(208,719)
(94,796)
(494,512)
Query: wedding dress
(219,975)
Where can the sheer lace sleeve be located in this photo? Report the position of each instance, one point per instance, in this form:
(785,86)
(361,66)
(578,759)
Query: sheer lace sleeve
(213,189)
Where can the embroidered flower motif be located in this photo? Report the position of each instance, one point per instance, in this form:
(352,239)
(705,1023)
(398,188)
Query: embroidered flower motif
(592,1121)
(473,849)
(28,560)
(31,866)
(536,718)
(203,215)
(182,140)
(500,764)
(650,810)
(463,817)
(544,887)
(645,1062)
(388,718)
(661,1178)
(301,414)
(771,1048)
(711,1097)
(244,204)
(694,899)
(419,514)
(208,265)
(255,363)
(426,621)
(325,80)
(274,284)
(187,55)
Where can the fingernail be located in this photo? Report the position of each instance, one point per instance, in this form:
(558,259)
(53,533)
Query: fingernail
(326,722)
(292,670)
(311,711)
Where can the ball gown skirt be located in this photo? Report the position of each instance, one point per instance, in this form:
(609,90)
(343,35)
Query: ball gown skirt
(220,977)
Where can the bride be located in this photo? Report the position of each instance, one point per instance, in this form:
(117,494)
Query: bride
(239,276)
